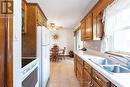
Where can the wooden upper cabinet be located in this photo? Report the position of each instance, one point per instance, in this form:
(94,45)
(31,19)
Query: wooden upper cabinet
(24,16)
(41,18)
(100,6)
(83,30)
(89,28)
(36,13)
(34,17)
(98,26)
(94,27)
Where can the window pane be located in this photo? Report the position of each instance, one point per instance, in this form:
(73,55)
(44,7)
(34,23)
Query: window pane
(122,40)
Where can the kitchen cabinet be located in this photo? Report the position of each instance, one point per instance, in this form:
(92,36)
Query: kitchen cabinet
(34,17)
(93,27)
(79,70)
(95,84)
(102,81)
(35,13)
(89,28)
(89,77)
(24,16)
(41,18)
(98,27)
(100,6)
(83,30)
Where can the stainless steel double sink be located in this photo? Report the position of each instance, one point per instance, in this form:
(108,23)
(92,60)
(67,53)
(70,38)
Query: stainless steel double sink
(109,66)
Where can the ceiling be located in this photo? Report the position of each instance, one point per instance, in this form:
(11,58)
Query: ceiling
(66,13)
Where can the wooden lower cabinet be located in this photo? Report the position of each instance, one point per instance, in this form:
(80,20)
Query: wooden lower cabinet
(87,80)
(102,81)
(95,84)
(89,77)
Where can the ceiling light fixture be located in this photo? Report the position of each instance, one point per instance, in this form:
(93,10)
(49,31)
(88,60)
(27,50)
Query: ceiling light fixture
(52,26)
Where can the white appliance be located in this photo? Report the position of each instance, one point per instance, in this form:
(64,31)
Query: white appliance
(43,47)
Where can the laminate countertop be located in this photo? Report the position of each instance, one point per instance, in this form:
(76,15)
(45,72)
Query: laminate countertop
(118,79)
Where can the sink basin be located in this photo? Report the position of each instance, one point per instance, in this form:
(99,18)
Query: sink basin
(116,68)
(102,61)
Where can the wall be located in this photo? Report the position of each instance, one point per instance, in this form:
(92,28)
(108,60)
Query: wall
(93,45)
(65,39)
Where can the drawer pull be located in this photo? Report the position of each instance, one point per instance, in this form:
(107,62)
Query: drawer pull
(97,78)
(92,85)
(89,82)
(86,67)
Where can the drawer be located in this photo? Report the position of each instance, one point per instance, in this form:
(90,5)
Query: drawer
(87,67)
(102,81)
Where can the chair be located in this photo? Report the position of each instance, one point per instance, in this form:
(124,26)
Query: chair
(54,54)
(61,54)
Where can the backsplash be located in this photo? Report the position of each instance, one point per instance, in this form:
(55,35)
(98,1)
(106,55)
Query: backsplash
(93,45)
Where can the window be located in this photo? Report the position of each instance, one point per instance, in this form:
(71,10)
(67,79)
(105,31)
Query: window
(117,27)
(79,43)
(122,40)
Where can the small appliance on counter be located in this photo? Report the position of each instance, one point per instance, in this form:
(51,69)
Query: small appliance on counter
(84,49)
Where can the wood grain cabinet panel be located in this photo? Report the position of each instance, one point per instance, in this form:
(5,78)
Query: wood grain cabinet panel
(98,26)
(35,17)
(41,18)
(83,30)
(87,67)
(89,28)
(102,81)
(100,6)
(93,27)
(89,77)
(95,84)
(87,80)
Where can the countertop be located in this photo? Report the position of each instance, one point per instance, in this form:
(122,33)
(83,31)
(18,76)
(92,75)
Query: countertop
(118,79)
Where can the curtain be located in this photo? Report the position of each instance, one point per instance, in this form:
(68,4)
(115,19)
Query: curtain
(108,21)
(115,17)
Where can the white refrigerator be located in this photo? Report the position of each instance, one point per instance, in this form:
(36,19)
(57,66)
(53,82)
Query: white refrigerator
(43,53)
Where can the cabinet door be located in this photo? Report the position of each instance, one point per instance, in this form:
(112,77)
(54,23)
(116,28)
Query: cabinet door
(83,31)
(98,27)
(102,81)
(89,29)
(95,84)
(87,82)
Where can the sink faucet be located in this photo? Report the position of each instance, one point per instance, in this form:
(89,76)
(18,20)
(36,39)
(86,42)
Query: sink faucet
(124,57)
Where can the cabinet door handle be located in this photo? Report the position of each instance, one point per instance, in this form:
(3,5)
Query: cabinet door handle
(97,78)
(92,85)
(89,82)
(86,67)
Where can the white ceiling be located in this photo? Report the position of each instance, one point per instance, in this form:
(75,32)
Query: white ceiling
(66,13)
